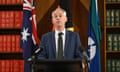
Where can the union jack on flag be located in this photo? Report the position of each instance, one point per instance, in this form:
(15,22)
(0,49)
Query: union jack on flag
(29,38)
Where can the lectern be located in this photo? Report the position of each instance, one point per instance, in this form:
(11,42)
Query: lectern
(56,66)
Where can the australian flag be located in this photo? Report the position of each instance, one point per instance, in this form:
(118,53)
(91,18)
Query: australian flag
(29,37)
(94,36)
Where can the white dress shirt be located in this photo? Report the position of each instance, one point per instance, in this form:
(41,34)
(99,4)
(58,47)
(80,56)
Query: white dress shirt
(56,40)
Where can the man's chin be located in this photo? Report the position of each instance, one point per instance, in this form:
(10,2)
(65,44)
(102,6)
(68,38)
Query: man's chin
(59,26)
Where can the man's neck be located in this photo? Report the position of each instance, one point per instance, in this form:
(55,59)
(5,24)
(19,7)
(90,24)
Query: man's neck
(60,29)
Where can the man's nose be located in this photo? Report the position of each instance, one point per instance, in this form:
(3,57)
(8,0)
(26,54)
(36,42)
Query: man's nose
(57,17)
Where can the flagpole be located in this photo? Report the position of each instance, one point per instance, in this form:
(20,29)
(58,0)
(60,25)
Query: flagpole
(32,2)
(32,65)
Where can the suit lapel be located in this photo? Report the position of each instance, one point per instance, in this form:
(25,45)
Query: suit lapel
(66,41)
(53,43)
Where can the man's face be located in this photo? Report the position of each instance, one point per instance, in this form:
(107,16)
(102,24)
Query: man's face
(58,18)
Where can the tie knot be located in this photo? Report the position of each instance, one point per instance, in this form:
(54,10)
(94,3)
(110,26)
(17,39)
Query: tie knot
(60,34)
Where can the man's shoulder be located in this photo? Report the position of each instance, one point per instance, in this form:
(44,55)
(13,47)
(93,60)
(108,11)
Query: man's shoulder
(71,32)
(48,34)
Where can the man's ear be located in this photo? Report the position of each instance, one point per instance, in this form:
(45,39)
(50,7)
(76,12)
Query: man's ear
(66,19)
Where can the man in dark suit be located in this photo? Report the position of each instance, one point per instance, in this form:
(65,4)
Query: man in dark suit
(61,43)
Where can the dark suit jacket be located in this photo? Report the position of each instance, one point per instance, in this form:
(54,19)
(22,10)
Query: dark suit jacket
(72,46)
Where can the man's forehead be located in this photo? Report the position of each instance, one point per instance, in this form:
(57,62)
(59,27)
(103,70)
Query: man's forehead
(58,10)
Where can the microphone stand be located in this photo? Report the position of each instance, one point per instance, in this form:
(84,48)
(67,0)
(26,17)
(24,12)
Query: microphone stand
(31,62)
(86,65)
(33,58)
(86,61)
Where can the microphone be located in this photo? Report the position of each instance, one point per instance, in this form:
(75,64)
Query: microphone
(35,54)
(87,58)
(38,51)
(84,54)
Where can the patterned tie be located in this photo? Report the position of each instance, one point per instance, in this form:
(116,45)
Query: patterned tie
(60,46)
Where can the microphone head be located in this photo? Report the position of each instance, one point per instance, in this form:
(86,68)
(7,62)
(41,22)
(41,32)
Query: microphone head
(38,50)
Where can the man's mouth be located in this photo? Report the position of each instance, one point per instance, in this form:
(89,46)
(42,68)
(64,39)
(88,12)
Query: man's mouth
(58,22)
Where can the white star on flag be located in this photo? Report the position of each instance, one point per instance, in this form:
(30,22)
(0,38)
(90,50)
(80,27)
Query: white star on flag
(25,34)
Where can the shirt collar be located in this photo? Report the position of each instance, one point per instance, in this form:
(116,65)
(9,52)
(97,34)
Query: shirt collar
(56,31)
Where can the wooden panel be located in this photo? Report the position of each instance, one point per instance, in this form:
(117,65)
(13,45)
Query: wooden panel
(85,3)
(102,48)
(79,10)
(43,12)
(42,6)
(80,19)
